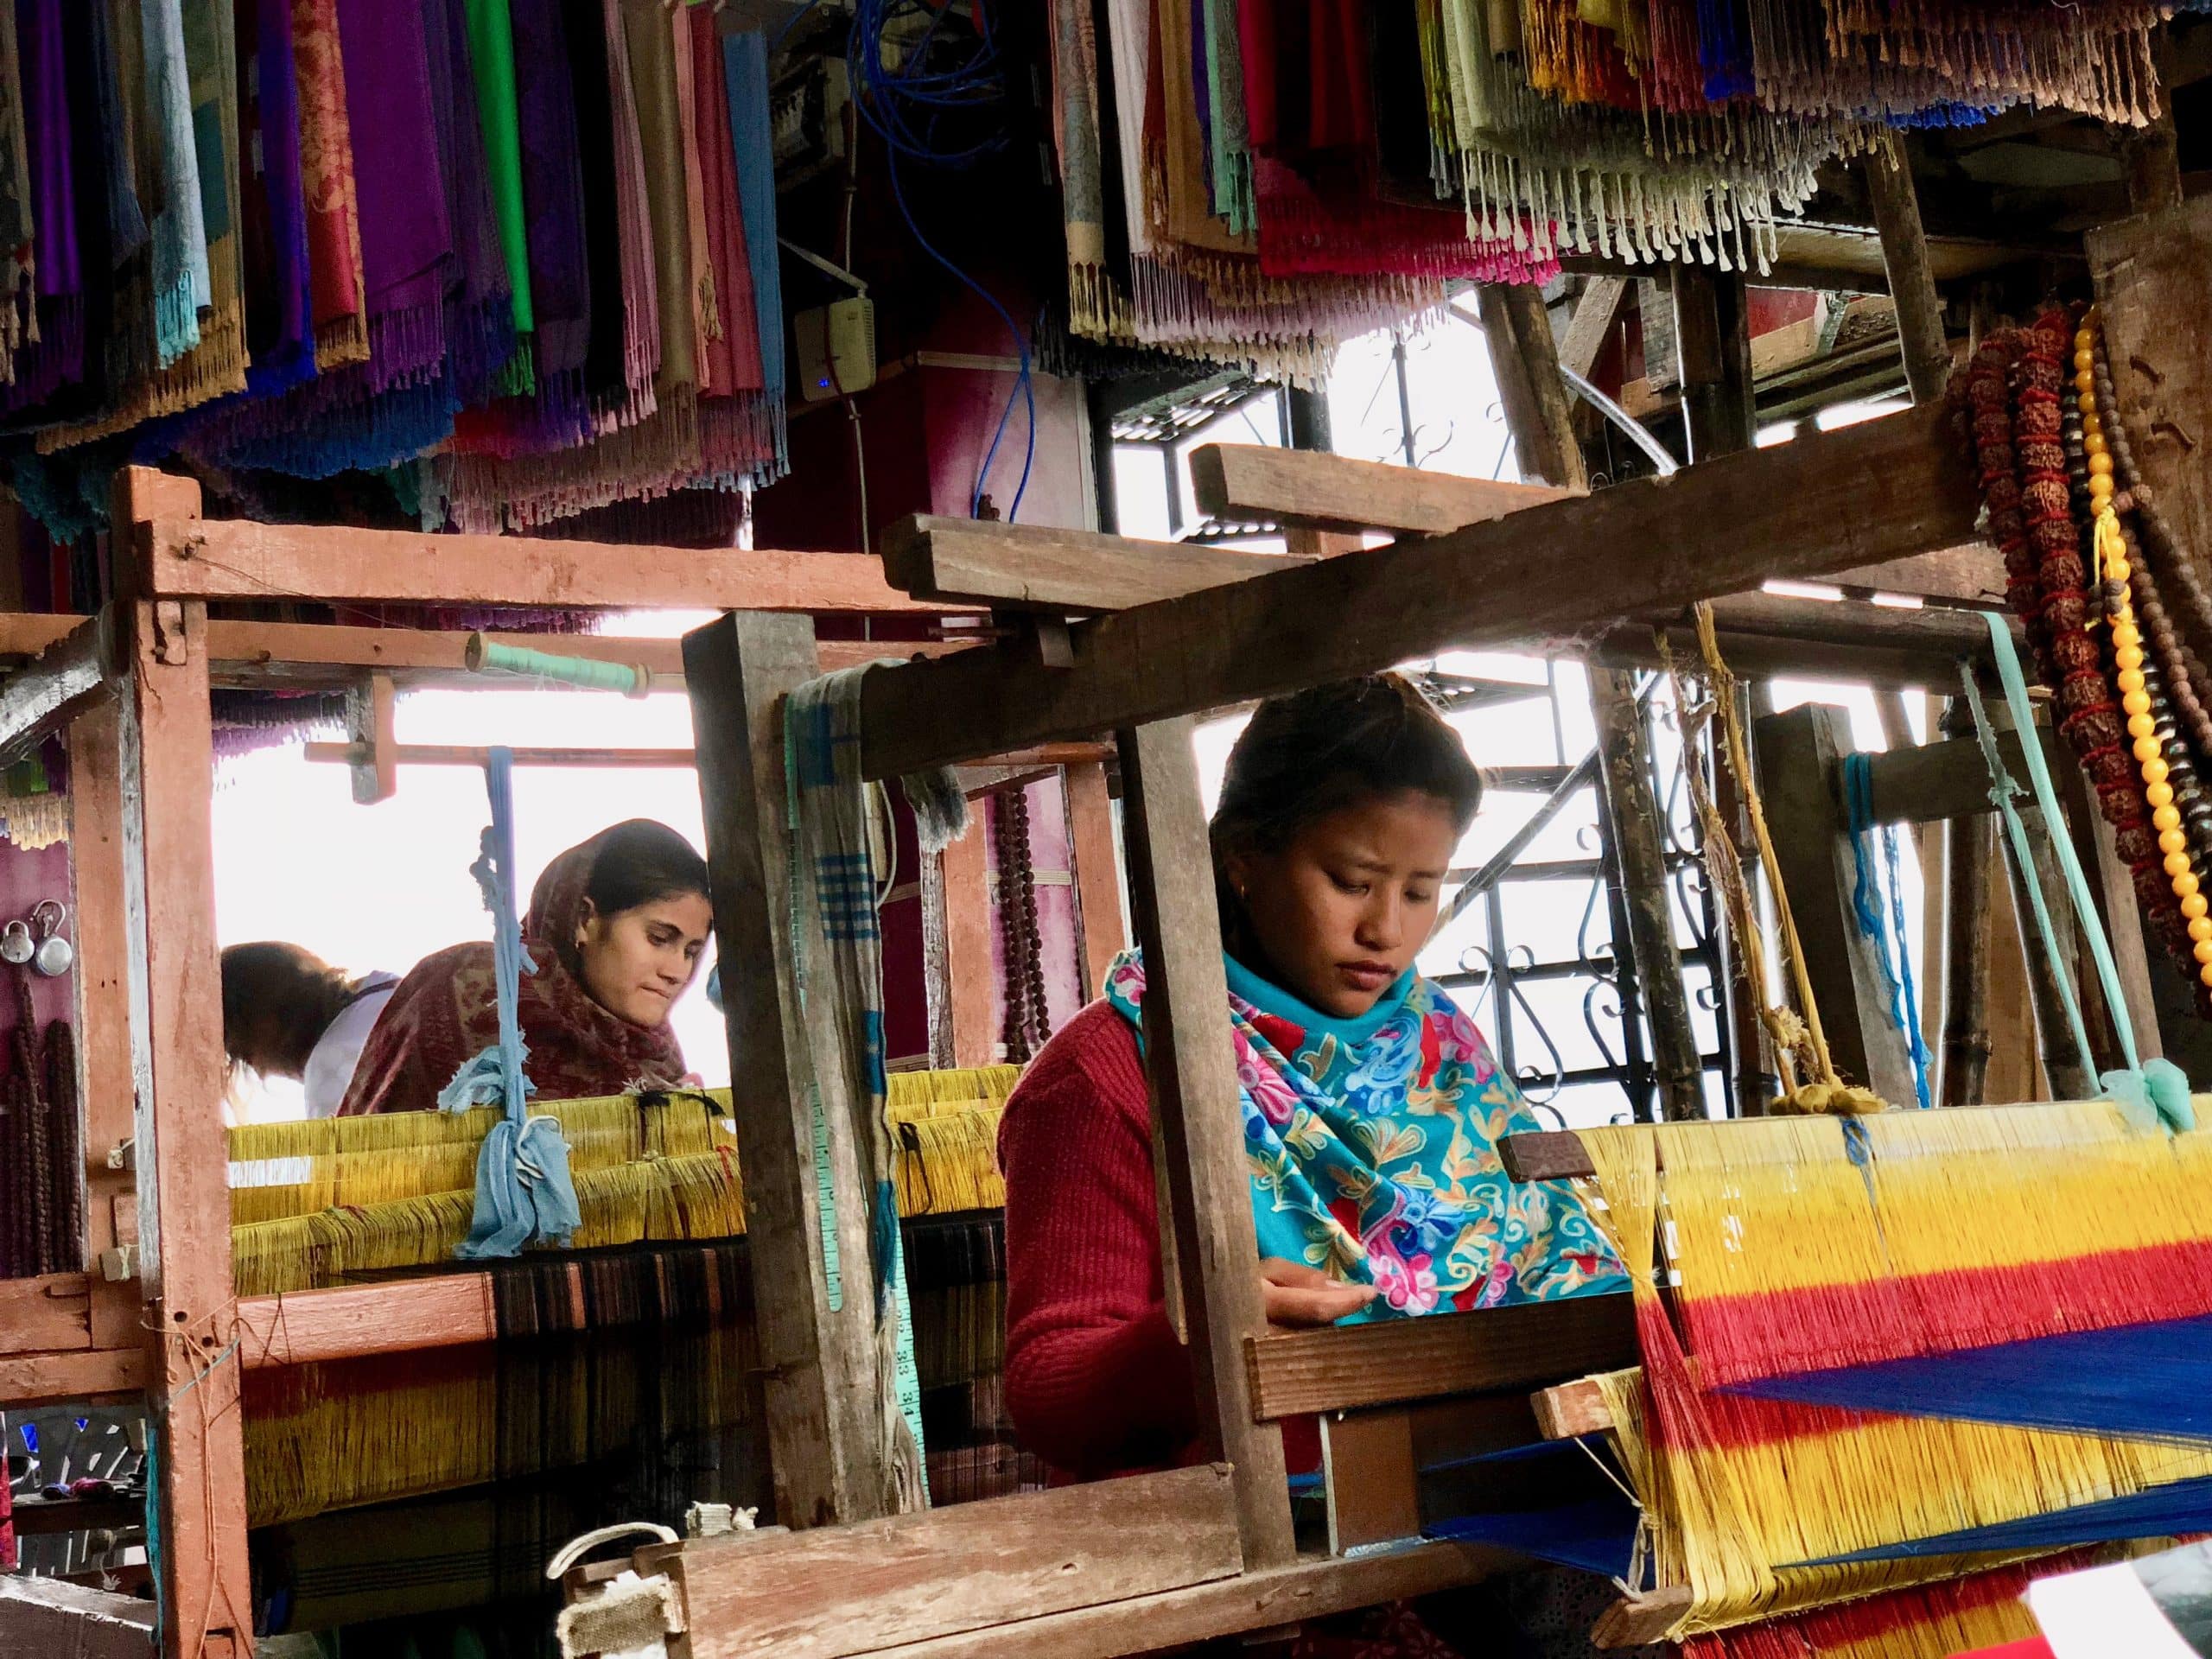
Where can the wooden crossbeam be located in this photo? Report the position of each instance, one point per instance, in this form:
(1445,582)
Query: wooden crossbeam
(1344,1367)
(1826,502)
(836,1591)
(969,563)
(1325,492)
(228,558)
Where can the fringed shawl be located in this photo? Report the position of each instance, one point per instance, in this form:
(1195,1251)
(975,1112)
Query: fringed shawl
(279,288)
(341,322)
(444,1013)
(58,358)
(745,66)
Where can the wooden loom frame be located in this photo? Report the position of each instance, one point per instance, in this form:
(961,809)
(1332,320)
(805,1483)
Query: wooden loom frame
(148,968)
(1110,1569)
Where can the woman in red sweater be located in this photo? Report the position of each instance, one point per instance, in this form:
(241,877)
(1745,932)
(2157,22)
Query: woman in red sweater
(1370,1104)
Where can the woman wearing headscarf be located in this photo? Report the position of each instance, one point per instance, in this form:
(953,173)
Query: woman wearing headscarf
(616,927)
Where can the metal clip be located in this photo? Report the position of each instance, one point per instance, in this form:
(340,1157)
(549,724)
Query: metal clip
(169,643)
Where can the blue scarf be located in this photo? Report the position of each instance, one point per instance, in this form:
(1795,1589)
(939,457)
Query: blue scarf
(1373,1146)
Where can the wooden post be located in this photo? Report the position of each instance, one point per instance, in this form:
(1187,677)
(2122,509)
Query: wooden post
(971,981)
(1098,873)
(1921,335)
(1639,864)
(1968,844)
(1801,755)
(1713,339)
(1197,1130)
(812,1297)
(103,976)
(1525,356)
(166,748)
(1758,1071)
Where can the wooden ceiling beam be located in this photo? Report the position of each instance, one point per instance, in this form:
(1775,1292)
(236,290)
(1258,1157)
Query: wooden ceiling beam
(229,558)
(1325,491)
(1869,493)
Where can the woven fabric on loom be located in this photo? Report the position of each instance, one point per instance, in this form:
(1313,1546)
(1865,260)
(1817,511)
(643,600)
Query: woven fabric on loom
(319,1202)
(652,1171)
(1795,1244)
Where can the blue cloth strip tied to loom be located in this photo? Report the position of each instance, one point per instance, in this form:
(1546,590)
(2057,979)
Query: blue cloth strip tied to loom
(2138,1382)
(525,1193)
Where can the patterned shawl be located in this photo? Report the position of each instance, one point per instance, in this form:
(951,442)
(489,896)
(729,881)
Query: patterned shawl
(445,1014)
(1373,1147)
(341,320)
(744,77)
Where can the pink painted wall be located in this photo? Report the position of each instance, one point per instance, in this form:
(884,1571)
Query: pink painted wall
(1050,850)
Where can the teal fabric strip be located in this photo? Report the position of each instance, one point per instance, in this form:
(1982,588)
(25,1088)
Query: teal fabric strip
(2002,789)
(2015,695)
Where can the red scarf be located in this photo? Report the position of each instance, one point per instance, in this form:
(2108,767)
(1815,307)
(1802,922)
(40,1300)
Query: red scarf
(446,1013)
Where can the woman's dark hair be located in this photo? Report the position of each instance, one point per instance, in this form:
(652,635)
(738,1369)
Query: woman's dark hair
(1307,755)
(278,999)
(641,862)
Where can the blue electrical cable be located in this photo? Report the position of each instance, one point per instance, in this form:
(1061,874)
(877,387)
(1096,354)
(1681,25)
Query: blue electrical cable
(1867,905)
(904,106)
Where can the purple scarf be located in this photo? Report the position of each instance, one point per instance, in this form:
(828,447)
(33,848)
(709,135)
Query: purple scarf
(59,357)
(553,186)
(407,243)
(279,293)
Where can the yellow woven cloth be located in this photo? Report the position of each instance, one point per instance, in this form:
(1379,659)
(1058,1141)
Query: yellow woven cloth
(328,1201)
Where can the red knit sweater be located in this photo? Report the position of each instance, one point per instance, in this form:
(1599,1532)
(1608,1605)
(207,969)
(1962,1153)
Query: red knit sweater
(1095,1382)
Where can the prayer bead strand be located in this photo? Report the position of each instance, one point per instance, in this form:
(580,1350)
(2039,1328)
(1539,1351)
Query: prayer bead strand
(2128,661)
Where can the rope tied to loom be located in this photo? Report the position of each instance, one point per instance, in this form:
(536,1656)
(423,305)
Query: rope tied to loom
(525,1193)
(2150,1093)
(1880,913)
(1799,1042)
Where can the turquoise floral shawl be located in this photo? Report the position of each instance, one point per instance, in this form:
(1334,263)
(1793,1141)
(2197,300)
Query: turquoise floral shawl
(1373,1145)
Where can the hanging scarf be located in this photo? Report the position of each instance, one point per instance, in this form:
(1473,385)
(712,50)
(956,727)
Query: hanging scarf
(1096,308)
(341,320)
(1307,78)
(492,56)
(179,233)
(446,1013)
(736,434)
(279,297)
(745,75)
(558,416)
(17,308)
(1373,1147)
(126,221)
(481,343)
(401,402)
(659,451)
(706,321)
(605,381)
(58,358)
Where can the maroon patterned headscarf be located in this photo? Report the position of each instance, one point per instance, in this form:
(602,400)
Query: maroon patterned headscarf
(446,1013)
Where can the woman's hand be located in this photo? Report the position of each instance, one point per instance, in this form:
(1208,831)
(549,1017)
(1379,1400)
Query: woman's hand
(1298,1296)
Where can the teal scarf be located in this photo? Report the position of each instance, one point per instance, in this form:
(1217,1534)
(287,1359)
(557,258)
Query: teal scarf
(1373,1147)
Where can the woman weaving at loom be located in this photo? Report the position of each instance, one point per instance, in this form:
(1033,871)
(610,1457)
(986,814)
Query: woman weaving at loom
(1371,1104)
(616,928)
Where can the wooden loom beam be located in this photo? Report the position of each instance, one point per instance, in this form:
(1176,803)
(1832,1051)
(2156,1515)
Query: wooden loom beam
(817,1345)
(193,1379)
(230,558)
(1823,503)
(1211,1249)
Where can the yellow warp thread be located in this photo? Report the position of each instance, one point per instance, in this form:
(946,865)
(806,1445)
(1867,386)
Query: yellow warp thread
(384,1199)
(1769,1207)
